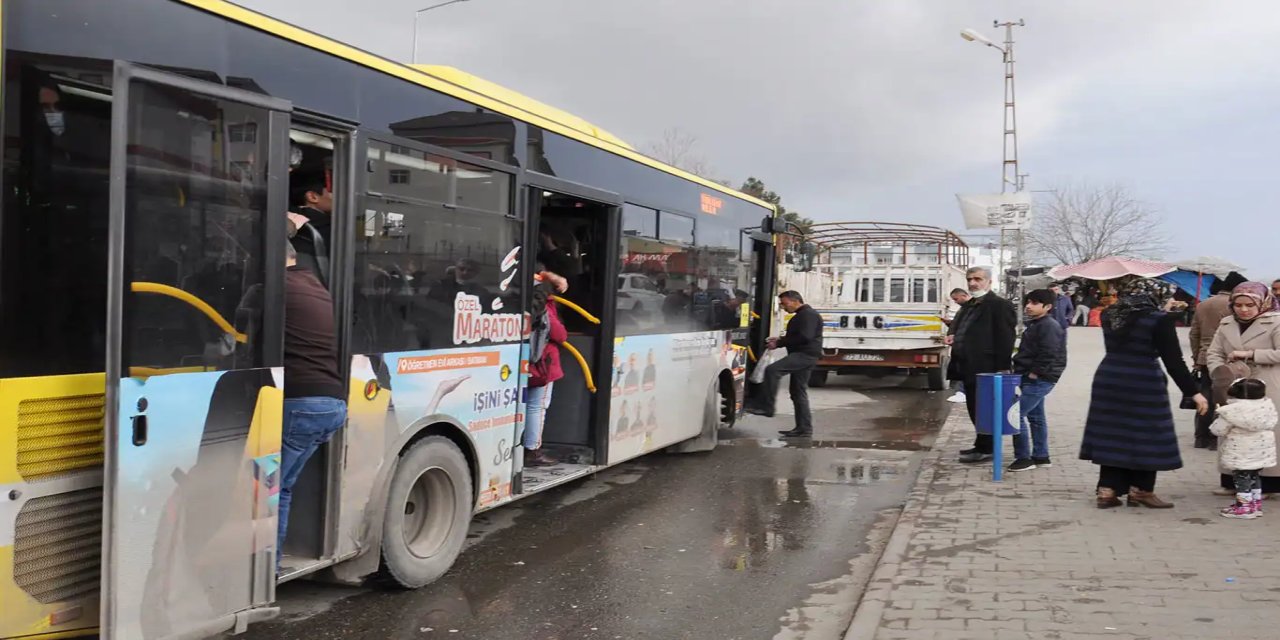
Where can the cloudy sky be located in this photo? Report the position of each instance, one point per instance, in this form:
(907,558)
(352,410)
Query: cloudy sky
(878,110)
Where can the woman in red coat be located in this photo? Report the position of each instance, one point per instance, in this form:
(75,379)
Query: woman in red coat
(544,373)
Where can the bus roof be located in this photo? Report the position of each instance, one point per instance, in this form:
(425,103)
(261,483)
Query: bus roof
(519,101)
(465,87)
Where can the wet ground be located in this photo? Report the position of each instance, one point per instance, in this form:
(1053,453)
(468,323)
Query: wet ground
(759,539)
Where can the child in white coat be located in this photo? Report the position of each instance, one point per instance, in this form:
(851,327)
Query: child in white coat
(1246,443)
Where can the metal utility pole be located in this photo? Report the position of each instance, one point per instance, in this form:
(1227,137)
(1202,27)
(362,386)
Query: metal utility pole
(1009,168)
(1009,174)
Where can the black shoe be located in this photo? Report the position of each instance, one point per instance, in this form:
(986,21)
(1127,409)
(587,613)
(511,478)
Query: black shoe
(757,411)
(1043,463)
(1213,444)
(1021,464)
(971,456)
(796,433)
(538,458)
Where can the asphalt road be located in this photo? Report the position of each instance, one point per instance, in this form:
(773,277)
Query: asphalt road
(759,539)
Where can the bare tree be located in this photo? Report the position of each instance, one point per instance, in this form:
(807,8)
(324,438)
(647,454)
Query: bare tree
(678,148)
(1082,222)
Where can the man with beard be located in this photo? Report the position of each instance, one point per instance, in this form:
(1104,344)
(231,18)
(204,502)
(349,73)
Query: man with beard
(982,342)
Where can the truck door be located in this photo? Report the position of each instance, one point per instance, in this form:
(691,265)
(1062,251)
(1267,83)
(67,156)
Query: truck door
(194,342)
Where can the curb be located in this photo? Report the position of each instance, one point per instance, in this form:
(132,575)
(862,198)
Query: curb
(870,611)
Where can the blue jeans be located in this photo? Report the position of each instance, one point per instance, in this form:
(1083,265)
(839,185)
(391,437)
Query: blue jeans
(535,416)
(1033,425)
(308,423)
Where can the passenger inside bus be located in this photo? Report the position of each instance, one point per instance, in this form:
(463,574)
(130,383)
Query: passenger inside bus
(56,218)
(307,455)
(311,202)
(545,366)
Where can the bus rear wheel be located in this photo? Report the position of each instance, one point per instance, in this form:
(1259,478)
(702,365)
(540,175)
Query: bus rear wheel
(818,379)
(428,512)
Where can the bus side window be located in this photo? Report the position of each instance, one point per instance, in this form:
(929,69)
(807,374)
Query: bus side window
(53,260)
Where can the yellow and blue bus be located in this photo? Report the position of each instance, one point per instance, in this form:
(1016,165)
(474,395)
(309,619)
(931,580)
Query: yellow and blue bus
(148,152)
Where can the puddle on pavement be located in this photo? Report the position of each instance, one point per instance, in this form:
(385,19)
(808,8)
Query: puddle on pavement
(808,443)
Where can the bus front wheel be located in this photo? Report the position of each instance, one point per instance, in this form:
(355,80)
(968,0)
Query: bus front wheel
(428,513)
(818,379)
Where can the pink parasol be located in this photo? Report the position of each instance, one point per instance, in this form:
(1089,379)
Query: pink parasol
(1111,268)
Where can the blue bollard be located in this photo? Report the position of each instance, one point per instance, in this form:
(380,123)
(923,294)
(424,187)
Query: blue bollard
(997,398)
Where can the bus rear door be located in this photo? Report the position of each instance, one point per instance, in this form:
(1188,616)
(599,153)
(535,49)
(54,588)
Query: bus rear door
(194,345)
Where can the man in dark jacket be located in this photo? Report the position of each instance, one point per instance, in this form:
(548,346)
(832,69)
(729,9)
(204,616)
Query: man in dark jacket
(1041,359)
(1063,308)
(803,343)
(314,391)
(311,204)
(982,343)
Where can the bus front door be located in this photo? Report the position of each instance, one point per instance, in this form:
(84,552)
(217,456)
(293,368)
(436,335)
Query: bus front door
(763,285)
(194,345)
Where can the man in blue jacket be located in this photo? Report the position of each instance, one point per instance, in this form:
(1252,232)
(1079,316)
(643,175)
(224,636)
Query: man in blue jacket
(1063,307)
(1040,360)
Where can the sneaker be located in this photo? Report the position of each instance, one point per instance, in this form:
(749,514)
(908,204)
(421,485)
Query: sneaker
(958,397)
(1239,511)
(1043,463)
(1257,508)
(1021,464)
(972,455)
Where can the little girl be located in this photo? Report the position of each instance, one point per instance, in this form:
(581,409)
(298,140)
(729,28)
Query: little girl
(1246,443)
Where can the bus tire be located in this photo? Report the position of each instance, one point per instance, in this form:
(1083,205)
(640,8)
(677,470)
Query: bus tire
(429,507)
(711,421)
(818,379)
(938,378)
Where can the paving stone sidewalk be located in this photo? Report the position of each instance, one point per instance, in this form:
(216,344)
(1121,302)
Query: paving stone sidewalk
(1033,558)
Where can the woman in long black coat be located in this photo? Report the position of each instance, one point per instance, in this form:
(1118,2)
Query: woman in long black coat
(1129,432)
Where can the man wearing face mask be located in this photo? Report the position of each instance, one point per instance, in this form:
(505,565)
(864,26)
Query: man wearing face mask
(981,342)
(54,116)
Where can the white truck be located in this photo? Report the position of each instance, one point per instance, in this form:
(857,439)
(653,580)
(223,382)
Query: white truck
(883,290)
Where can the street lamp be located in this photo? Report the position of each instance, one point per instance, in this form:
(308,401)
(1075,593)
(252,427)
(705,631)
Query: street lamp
(973,36)
(416,15)
(1009,174)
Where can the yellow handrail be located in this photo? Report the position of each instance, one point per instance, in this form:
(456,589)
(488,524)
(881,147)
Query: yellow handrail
(752,354)
(586,371)
(201,305)
(582,312)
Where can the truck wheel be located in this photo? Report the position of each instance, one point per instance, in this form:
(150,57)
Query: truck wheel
(429,508)
(818,379)
(938,379)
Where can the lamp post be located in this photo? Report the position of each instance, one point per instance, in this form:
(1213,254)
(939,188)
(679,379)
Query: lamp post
(416,14)
(1009,174)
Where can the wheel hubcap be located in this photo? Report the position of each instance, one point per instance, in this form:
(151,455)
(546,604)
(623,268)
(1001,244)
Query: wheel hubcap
(429,512)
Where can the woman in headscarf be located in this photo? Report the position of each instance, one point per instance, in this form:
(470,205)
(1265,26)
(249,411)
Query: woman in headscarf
(1247,345)
(1129,432)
